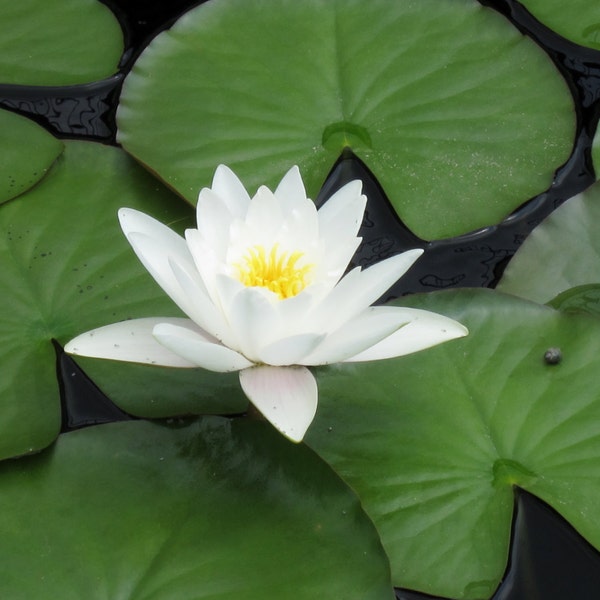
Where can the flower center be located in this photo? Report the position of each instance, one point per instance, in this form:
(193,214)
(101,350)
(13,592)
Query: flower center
(275,270)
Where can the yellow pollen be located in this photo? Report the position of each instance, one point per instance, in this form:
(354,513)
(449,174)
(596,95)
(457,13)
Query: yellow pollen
(277,271)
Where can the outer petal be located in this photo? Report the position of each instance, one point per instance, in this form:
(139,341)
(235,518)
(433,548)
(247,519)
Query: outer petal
(343,211)
(134,221)
(254,320)
(370,327)
(130,341)
(231,190)
(359,289)
(155,244)
(340,219)
(425,329)
(198,349)
(206,261)
(290,350)
(201,308)
(286,396)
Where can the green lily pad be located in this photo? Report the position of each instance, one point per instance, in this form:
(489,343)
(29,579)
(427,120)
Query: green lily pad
(562,252)
(67,268)
(596,152)
(27,150)
(580,23)
(212,510)
(63,42)
(434,442)
(459,117)
(582,298)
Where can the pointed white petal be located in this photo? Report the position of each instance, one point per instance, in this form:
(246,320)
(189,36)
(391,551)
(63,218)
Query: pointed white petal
(425,329)
(129,341)
(214,222)
(155,244)
(290,350)
(370,327)
(286,396)
(231,190)
(264,218)
(201,309)
(335,260)
(300,230)
(158,262)
(340,219)
(198,349)
(359,289)
(227,288)
(171,243)
(205,261)
(290,190)
(254,320)
(342,212)
(295,311)
(134,221)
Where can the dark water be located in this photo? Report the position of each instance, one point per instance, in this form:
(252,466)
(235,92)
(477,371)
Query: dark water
(548,559)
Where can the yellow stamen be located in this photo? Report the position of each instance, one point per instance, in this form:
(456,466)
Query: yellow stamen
(277,271)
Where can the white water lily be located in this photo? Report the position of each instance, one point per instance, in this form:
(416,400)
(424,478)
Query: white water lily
(262,283)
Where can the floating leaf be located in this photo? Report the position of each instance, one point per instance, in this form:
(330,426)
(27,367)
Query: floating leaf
(27,151)
(581,23)
(545,265)
(459,117)
(596,152)
(433,442)
(67,268)
(582,298)
(63,42)
(211,510)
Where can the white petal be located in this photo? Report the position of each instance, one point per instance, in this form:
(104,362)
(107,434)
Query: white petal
(359,289)
(198,350)
(369,328)
(425,329)
(205,261)
(295,312)
(335,260)
(290,190)
(342,212)
(291,350)
(201,309)
(254,320)
(301,228)
(214,221)
(286,396)
(340,219)
(231,190)
(129,341)
(264,218)
(154,244)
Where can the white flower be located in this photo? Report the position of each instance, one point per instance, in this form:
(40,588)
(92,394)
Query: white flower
(262,283)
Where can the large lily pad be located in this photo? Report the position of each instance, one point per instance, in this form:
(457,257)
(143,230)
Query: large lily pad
(433,442)
(27,153)
(562,252)
(581,23)
(459,116)
(67,268)
(63,42)
(212,510)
